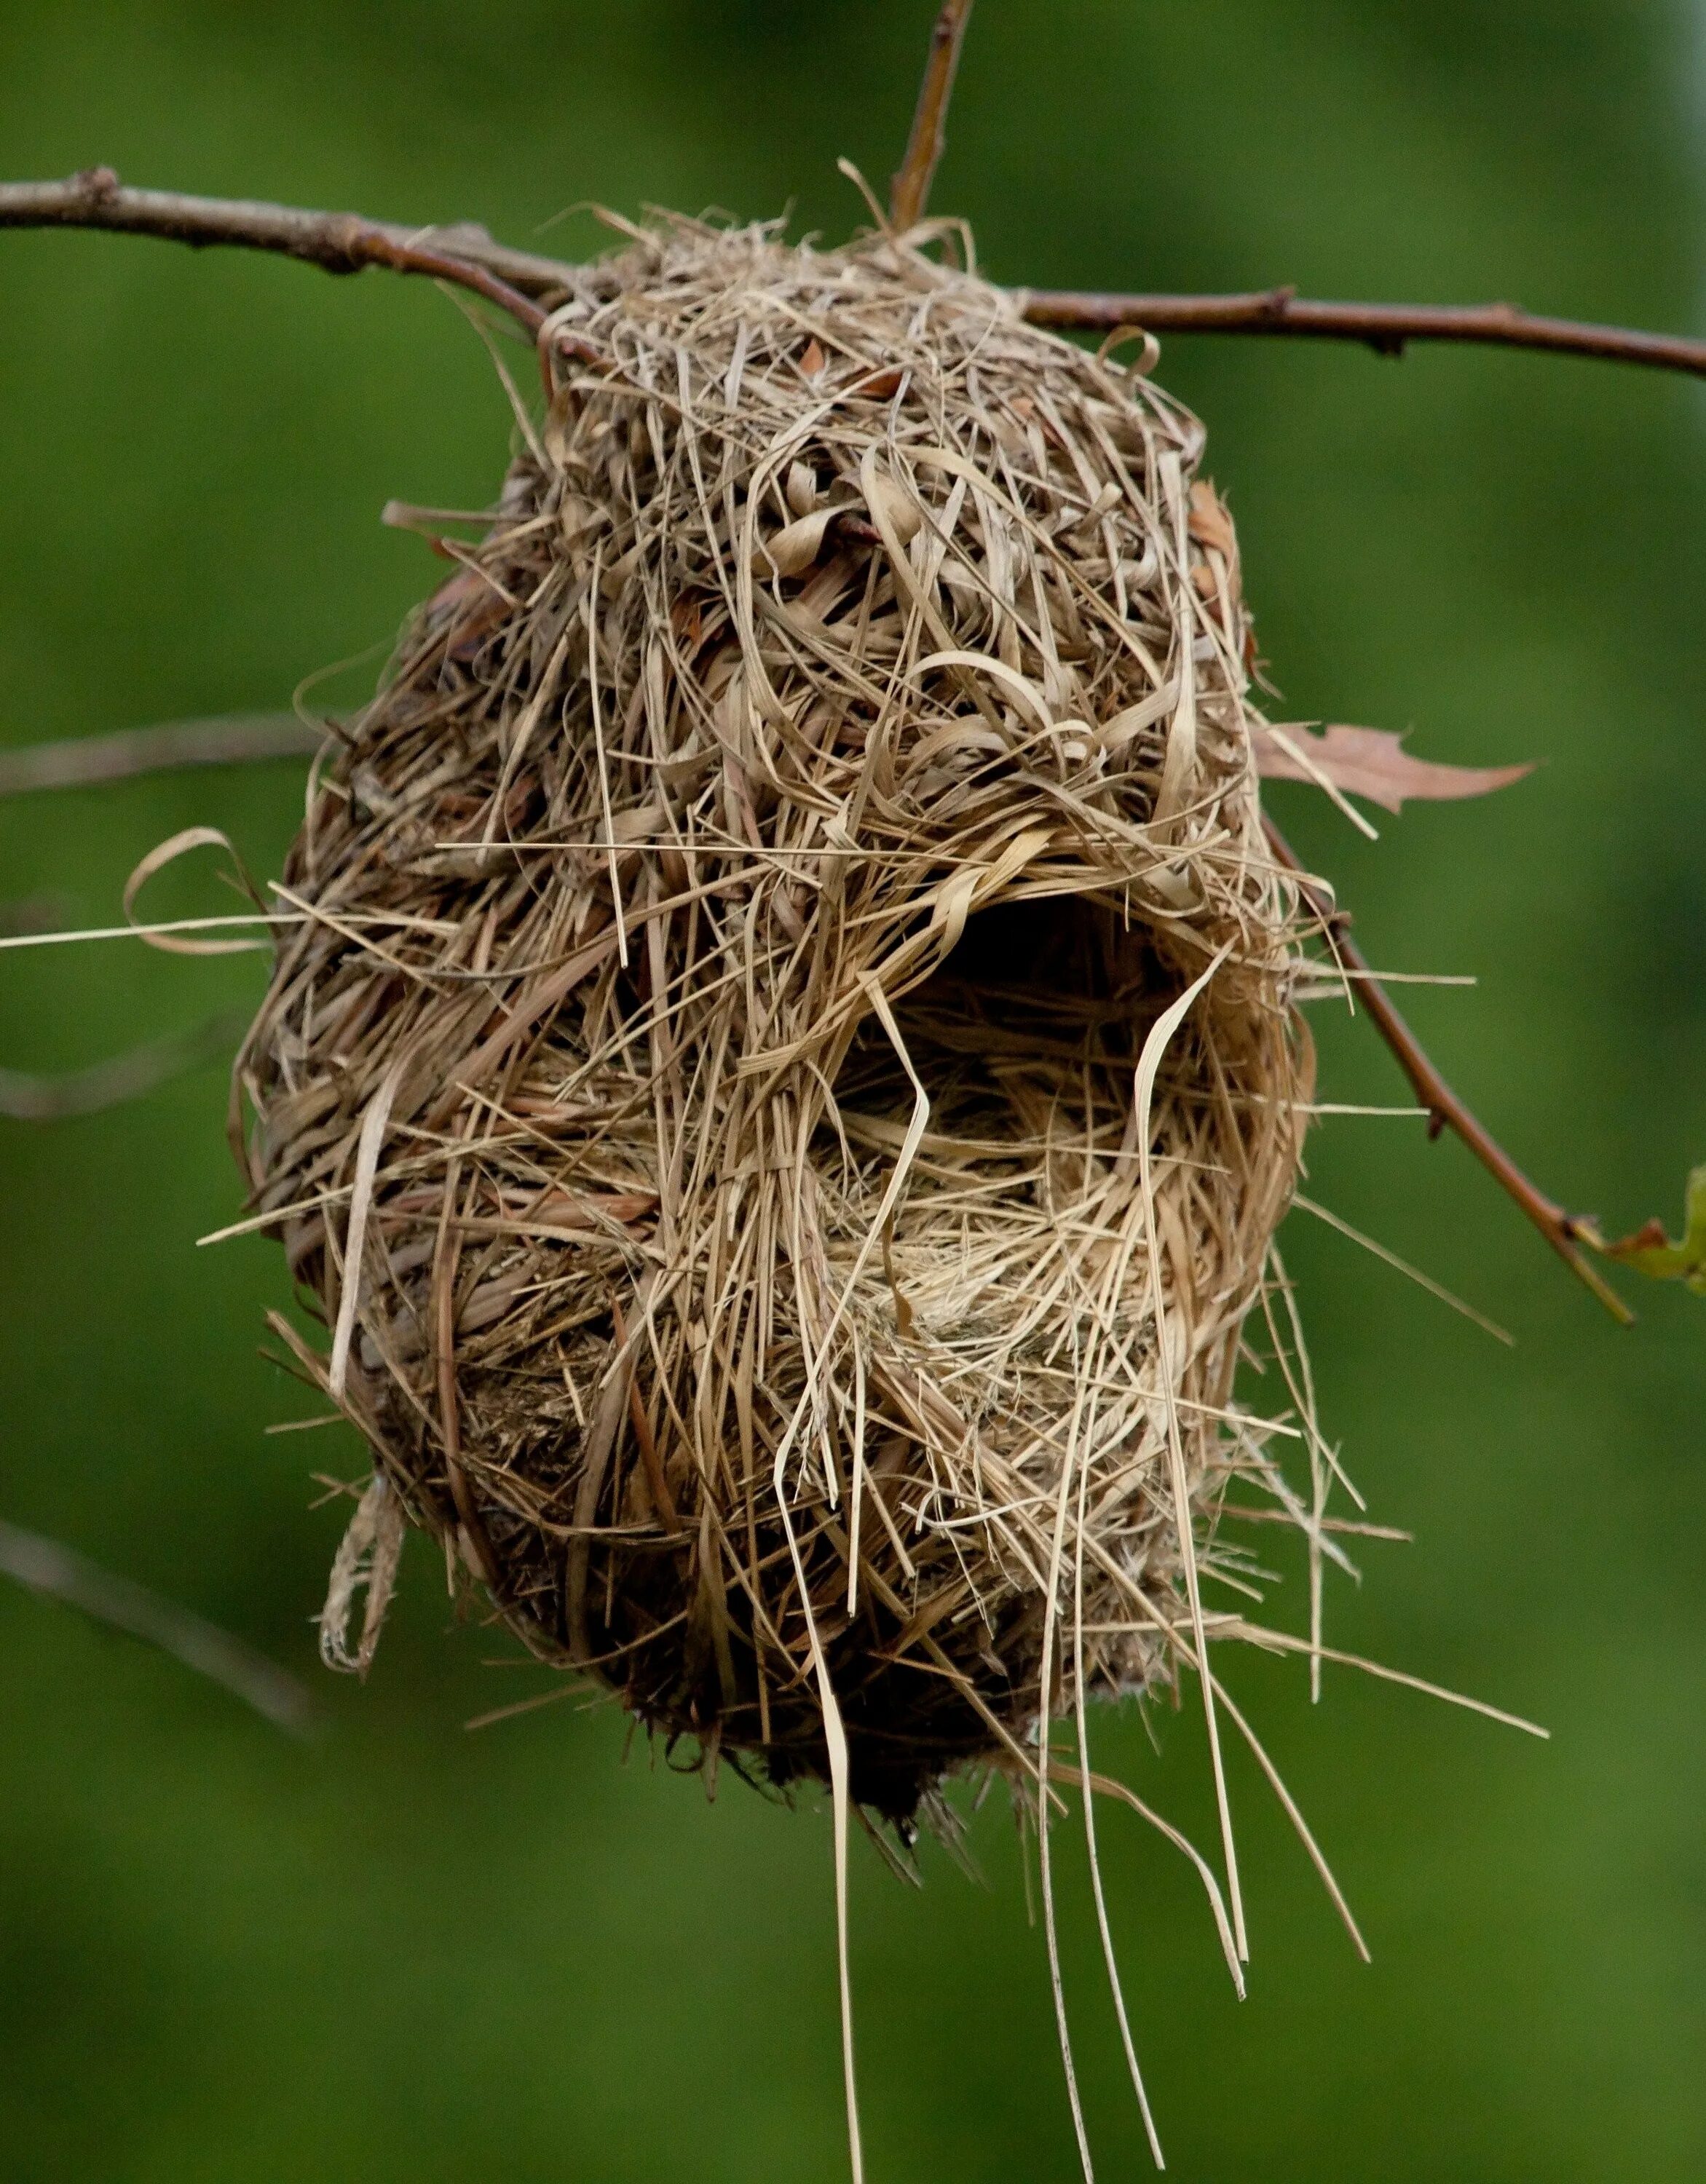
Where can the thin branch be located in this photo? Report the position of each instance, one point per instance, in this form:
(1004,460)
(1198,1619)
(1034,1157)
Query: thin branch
(522,282)
(910,192)
(46,1567)
(226,739)
(336,242)
(27,1098)
(1567,1232)
(1386,328)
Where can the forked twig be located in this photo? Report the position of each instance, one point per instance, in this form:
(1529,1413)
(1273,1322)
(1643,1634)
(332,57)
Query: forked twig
(1567,1232)
(910,192)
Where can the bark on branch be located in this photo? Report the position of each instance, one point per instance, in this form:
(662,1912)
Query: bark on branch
(523,283)
(1386,328)
(336,242)
(910,193)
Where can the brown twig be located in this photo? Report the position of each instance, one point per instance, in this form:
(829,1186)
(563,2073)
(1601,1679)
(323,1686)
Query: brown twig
(1567,1232)
(1385,327)
(336,242)
(520,281)
(226,739)
(47,1567)
(910,192)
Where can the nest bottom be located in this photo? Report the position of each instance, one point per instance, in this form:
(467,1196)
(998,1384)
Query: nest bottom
(617,1534)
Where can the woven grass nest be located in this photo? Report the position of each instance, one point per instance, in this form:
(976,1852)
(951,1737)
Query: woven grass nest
(791,1076)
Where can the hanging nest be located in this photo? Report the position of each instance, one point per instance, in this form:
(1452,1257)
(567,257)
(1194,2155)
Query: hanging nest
(789,1076)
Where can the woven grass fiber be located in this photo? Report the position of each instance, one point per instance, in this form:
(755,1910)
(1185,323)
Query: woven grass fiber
(787,1087)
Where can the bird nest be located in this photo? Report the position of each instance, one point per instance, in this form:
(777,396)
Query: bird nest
(788,1075)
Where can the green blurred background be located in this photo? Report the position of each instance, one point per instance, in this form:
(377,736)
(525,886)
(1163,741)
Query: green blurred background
(408,1951)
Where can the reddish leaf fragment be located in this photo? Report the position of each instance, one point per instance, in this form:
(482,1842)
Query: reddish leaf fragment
(1210,524)
(1372,763)
(687,619)
(1651,1251)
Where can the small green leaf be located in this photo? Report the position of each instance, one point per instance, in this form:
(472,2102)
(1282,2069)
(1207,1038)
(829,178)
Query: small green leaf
(1649,1251)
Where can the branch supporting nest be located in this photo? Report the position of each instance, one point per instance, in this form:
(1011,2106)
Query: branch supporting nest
(336,242)
(523,283)
(1386,328)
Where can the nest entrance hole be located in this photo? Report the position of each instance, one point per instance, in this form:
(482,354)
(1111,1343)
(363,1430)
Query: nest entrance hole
(1026,1038)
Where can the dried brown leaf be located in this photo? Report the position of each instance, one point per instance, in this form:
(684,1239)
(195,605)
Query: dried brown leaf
(1210,524)
(1372,763)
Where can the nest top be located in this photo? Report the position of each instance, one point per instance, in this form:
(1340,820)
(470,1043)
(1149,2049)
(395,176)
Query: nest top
(1065,593)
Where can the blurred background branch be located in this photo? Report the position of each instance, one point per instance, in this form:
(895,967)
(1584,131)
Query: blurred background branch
(33,1098)
(47,1567)
(84,761)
